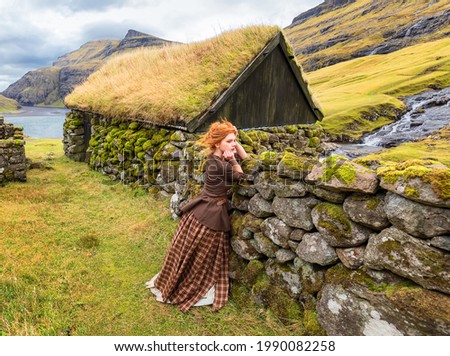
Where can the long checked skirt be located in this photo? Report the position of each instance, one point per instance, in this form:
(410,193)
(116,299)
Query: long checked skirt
(197,260)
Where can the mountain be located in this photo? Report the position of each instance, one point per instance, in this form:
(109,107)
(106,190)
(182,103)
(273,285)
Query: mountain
(49,86)
(340,30)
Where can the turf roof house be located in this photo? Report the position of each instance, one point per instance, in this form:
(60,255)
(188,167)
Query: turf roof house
(255,89)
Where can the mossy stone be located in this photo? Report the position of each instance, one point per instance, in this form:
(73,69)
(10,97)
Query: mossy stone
(337,214)
(254,270)
(268,158)
(134,126)
(339,167)
(428,171)
(245,139)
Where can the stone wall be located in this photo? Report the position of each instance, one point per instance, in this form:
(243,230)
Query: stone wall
(334,247)
(365,249)
(12,153)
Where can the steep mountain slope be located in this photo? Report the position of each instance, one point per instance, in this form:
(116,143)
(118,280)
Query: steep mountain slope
(49,86)
(339,30)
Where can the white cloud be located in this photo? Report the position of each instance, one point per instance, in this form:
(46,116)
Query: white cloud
(34,33)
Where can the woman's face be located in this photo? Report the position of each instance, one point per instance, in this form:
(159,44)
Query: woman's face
(228,143)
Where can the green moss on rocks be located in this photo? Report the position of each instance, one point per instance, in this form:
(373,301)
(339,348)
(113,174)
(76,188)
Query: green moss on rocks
(313,142)
(292,129)
(261,288)
(296,163)
(337,214)
(311,326)
(258,136)
(245,139)
(253,271)
(268,158)
(287,309)
(239,295)
(339,167)
(426,170)
(134,126)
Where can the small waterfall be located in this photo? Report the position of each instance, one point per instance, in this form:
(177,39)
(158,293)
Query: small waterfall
(427,112)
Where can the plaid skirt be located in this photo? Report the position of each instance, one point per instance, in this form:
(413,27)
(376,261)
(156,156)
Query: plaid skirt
(196,260)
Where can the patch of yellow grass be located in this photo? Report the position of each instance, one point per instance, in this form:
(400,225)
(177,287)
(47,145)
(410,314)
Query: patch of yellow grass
(171,84)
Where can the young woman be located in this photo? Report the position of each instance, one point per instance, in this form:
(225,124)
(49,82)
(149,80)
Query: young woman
(195,268)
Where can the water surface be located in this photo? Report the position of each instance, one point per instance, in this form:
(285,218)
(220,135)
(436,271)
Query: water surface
(39,122)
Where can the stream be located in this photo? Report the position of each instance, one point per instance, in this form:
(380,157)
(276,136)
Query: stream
(426,112)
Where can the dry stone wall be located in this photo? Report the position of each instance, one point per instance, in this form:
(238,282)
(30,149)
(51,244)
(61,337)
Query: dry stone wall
(334,247)
(366,249)
(12,153)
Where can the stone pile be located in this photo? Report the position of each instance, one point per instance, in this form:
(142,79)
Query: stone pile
(12,153)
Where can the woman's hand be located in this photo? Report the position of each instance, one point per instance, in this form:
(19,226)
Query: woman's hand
(227,155)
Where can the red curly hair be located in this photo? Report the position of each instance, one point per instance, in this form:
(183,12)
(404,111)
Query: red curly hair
(216,133)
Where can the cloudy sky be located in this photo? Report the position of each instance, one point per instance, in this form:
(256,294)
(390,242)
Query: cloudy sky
(33,33)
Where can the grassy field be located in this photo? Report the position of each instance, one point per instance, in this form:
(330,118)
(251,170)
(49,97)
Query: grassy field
(76,250)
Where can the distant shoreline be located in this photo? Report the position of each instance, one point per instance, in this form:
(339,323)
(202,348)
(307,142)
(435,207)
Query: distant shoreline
(32,110)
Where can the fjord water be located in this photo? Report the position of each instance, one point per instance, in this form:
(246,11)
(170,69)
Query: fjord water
(39,122)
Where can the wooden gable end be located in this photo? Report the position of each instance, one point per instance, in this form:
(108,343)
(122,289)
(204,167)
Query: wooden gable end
(269,94)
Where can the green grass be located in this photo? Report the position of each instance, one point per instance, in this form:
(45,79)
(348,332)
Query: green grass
(435,147)
(8,105)
(76,250)
(365,23)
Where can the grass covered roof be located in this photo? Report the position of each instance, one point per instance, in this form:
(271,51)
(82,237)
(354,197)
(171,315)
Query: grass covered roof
(173,84)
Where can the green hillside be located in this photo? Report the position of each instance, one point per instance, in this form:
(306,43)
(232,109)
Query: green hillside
(337,34)
(8,105)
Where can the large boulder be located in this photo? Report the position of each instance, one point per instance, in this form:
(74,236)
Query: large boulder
(412,258)
(339,173)
(336,227)
(422,181)
(295,212)
(367,210)
(417,219)
(364,303)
